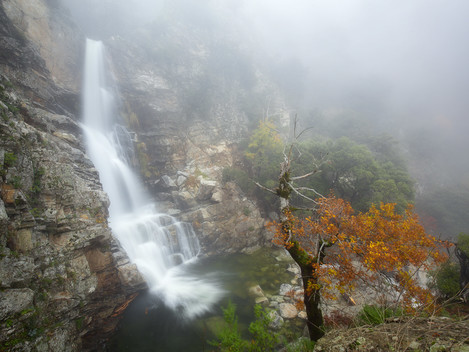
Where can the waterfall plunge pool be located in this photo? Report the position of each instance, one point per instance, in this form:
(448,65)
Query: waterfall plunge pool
(150,326)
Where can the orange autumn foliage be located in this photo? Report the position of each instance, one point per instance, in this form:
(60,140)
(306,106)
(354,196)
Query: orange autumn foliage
(377,247)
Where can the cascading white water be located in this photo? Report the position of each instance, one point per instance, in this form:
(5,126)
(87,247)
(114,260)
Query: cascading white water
(160,246)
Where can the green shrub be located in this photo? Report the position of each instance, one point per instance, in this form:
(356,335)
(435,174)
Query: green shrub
(463,243)
(262,339)
(9,159)
(229,339)
(240,177)
(446,279)
(375,315)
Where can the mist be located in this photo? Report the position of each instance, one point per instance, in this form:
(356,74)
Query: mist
(402,64)
(399,65)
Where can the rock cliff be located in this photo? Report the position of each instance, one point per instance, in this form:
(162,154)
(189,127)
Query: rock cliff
(63,279)
(190,106)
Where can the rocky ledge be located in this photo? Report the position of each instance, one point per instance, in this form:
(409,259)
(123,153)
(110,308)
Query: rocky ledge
(432,334)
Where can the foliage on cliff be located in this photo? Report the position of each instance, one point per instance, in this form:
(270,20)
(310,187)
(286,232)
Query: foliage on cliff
(358,173)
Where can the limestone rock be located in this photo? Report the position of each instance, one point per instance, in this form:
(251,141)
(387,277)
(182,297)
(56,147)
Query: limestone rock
(256,291)
(55,242)
(15,301)
(261,300)
(288,311)
(285,288)
(167,182)
(130,276)
(302,315)
(3,213)
(276,320)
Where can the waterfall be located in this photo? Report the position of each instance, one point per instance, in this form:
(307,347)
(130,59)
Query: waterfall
(162,247)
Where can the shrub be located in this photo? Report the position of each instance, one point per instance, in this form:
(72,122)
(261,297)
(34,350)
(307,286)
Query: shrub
(375,315)
(240,177)
(262,339)
(446,279)
(9,159)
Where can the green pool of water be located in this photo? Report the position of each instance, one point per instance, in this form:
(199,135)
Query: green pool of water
(147,325)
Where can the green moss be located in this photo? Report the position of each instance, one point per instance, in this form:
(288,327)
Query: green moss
(284,189)
(5,117)
(146,169)
(9,160)
(463,243)
(37,177)
(79,323)
(26,311)
(299,255)
(16,182)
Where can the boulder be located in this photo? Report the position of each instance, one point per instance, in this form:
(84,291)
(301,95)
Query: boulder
(167,182)
(256,291)
(288,311)
(276,320)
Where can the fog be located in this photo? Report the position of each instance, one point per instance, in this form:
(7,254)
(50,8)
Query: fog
(401,65)
(404,62)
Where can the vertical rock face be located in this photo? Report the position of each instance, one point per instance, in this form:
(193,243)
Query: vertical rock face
(186,102)
(63,280)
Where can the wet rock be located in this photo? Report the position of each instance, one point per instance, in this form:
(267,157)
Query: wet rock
(256,291)
(276,320)
(288,311)
(130,276)
(262,300)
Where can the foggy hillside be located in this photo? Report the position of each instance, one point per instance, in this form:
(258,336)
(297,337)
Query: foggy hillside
(391,67)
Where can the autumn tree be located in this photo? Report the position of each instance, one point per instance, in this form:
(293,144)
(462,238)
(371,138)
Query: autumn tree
(334,247)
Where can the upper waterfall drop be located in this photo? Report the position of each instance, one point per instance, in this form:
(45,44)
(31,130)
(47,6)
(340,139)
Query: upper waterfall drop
(157,243)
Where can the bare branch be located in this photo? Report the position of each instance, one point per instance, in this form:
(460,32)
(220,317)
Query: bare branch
(306,129)
(301,194)
(310,189)
(265,188)
(304,176)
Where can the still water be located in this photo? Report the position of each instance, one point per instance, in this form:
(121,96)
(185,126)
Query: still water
(148,325)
